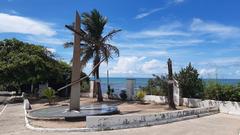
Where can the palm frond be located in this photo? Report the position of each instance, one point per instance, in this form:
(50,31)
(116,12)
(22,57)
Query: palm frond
(110,35)
(86,54)
(113,49)
(68,44)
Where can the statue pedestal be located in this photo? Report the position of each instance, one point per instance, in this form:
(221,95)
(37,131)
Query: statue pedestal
(176,93)
(130,88)
(92,93)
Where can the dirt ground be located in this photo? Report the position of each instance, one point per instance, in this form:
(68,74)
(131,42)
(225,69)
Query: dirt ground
(125,108)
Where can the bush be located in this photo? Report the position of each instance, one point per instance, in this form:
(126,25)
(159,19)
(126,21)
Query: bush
(85,86)
(156,86)
(123,95)
(110,91)
(50,94)
(140,95)
(222,92)
(190,84)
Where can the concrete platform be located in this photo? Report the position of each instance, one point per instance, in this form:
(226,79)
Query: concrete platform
(12,123)
(63,113)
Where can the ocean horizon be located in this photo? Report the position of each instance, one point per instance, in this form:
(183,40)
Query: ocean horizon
(120,83)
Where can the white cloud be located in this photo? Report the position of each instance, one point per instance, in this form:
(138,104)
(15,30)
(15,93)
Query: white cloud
(178,1)
(46,40)
(218,29)
(51,50)
(11,11)
(138,65)
(208,72)
(145,14)
(222,61)
(167,5)
(238,72)
(153,66)
(159,46)
(24,25)
(127,65)
(179,42)
(164,30)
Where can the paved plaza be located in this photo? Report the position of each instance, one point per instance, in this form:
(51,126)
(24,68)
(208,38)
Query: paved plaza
(12,123)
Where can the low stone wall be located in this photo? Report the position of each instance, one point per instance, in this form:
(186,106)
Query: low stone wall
(227,107)
(26,105)
(140,120)
(156,99)
(191,102)
(85,94)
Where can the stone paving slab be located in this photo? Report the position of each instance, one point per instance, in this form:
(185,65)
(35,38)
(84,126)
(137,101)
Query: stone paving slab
(3,99)
(12,123)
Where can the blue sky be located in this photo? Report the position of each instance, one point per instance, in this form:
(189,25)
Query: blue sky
(204,32)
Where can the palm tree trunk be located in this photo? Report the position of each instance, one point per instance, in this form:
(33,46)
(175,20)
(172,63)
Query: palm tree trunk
(100,97)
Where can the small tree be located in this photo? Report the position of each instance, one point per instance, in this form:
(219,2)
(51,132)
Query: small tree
(50,94)
(190,84)
(156,86)
(140,95)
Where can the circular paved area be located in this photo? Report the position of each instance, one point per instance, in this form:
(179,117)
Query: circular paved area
(62,112)
(12,123)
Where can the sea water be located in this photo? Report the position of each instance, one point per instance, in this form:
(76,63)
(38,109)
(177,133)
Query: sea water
(121,83)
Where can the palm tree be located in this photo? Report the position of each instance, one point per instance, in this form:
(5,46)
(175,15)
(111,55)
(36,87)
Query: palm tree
(97,46)
(94,45)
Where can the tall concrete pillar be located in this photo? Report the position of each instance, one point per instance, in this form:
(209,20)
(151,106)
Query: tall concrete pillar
(75,88)
(130,88)
(176,93)
(92,93)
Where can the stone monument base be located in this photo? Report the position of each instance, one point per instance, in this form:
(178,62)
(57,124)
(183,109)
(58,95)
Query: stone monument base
(63,113)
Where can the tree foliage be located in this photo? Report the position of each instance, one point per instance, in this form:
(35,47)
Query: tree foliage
(190,84)
(95,46)
(25,64)
(49,93)
(157,86)
(222,92)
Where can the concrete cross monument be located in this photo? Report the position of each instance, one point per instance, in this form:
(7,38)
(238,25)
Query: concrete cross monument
(171,103)
(76,71)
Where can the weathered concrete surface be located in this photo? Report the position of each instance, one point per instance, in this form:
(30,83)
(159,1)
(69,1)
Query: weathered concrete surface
(12,123)
(75,88)
(156,99)
(3,99)
(227,107)
(149,119)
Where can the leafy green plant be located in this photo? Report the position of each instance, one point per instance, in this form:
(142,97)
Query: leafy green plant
(140,95)
(190,84)
(85,86)
(222,92)
(49,93)
(123,95)
(110,91)
(156,86)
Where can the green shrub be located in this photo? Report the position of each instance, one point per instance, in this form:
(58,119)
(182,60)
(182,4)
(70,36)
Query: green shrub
(123,95)
(85,86)
(49,93)
(110,91)
(156,86)
(222,92)
(140,95)
(190,84)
